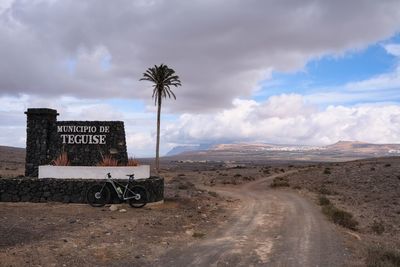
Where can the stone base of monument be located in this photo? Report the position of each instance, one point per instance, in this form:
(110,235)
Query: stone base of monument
(67,190)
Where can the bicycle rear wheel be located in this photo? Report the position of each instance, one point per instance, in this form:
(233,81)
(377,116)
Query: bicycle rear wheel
(138,196)
(98,195)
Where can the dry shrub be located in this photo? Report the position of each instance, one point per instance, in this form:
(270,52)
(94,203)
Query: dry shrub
(378,227)
(212,193)
(325,191)
(379,256)
(61,160)
(198,234)
(323,200)
(280,182)
(340,217)
(327,171)
(107,160)
(132,162)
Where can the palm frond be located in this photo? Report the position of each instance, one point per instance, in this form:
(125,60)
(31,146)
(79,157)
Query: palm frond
(162,78)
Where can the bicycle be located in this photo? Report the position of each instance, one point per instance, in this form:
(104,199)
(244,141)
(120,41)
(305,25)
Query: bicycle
(99,194)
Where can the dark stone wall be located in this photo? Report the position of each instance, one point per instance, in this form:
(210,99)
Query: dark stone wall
(91,154)
(44,143)
(41,135)
(66,190)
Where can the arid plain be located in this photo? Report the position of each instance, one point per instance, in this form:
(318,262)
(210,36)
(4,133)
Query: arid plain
(220,213)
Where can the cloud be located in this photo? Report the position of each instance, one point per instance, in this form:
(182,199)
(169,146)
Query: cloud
(289,119)
(284,119)
(393,49)
(221,49)
(140,144)
(387,81)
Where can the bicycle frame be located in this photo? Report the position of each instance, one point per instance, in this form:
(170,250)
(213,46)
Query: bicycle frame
(115,185)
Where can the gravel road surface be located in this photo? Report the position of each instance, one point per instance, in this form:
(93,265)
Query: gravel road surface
(269,228)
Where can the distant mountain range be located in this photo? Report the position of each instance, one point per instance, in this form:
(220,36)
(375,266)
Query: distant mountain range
(340,151)
(181,149)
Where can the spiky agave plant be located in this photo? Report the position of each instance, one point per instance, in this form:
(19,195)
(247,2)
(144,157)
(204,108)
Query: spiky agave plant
(132,162)
(61,160)
(107,160)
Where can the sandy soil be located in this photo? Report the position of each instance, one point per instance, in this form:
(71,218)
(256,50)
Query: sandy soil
(56,234)
(216,214)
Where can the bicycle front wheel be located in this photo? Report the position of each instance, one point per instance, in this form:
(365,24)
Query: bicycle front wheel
(138,196)
(98,195)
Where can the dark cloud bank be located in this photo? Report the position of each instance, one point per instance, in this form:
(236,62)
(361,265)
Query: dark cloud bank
(221,49)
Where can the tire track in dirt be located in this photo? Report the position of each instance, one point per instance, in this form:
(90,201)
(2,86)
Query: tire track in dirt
(269,228)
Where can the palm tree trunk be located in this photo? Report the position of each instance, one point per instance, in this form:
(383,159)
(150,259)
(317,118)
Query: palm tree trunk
(158,133)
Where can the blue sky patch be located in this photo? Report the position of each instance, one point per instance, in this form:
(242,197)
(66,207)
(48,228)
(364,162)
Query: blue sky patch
(332,72)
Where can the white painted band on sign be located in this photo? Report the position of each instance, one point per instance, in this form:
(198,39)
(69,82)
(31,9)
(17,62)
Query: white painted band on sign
(92,172)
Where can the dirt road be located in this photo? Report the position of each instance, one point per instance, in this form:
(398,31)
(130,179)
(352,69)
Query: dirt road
(270,228)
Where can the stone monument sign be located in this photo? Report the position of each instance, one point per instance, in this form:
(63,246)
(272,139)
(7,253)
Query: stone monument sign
(85,142)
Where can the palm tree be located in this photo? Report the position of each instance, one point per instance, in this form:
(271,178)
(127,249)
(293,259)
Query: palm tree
(162,78)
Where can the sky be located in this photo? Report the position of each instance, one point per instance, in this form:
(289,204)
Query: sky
(302,72)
